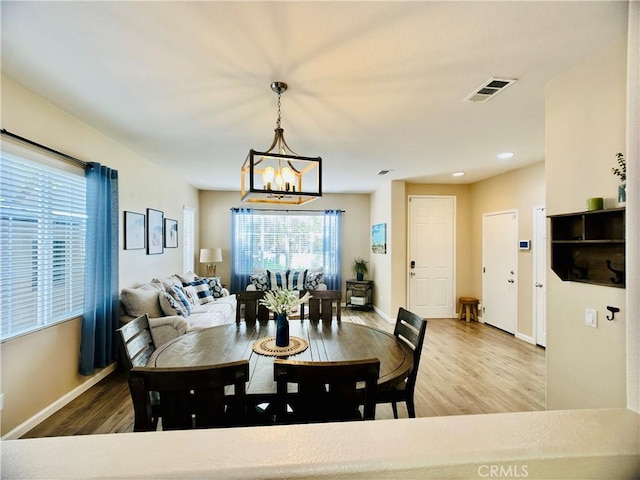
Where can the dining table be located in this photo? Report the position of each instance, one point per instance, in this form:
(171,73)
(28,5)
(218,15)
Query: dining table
(327,341)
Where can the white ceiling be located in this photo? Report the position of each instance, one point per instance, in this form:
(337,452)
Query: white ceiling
(372,85)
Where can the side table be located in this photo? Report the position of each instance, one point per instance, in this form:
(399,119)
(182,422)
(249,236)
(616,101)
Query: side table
(359,294)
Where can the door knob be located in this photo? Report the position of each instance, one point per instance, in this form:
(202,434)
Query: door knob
(412,274)
(511,280)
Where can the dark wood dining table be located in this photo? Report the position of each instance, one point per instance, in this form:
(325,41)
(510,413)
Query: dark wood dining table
(328,341)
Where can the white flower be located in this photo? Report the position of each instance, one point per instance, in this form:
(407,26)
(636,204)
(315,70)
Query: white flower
(285,301)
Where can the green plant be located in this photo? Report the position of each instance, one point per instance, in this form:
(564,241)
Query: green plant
(359,265)
(621,169)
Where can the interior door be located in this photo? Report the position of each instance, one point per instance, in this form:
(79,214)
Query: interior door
(539,250)
(431,250)
(500,270)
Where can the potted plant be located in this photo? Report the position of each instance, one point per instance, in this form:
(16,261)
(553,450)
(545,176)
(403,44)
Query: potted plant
(621,171)
(359,268)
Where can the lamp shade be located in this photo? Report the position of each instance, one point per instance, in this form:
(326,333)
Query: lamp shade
(210,255)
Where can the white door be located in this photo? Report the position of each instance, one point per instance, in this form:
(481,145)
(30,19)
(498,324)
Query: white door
(539,250)
(431,256)
(500,270)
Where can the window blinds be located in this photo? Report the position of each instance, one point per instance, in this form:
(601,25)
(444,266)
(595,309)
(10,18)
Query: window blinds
(42,244)
(188,237)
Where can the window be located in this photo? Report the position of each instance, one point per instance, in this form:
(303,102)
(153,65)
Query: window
(42,244)
(187,239)
(277,240)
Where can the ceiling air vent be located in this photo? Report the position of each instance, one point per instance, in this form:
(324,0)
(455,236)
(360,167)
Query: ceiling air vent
(384,172)
(489,89)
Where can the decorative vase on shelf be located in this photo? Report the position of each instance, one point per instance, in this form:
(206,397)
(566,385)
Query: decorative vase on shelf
(622,194)
(359,276)
(282,330)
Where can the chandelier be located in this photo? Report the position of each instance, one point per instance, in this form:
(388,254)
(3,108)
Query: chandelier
(280,175)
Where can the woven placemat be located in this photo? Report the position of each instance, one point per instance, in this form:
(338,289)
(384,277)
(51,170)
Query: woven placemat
(267,346)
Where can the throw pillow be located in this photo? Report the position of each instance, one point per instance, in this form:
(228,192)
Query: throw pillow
(187,277)
(181,296)
(260,281)
(215,286)
(277,279)
(170,306)
(296,279)
(192,296)
(138,301)
(203,291)
(167,282)
(313,280)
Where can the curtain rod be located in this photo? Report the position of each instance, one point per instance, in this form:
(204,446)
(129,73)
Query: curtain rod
(283,210)
(82,163)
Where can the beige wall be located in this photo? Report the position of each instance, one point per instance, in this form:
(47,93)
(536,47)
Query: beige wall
(520,190)
(584,130)
(40,368)
(215,224)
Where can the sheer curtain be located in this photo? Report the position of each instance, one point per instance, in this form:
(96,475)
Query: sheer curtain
(100,318)
(332,249)
(241,247)
(283,240)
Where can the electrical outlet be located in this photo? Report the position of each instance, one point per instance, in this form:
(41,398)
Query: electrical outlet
(591,317)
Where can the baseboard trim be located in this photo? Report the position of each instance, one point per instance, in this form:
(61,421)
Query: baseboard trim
(525,338)
(46,412)
(384,315)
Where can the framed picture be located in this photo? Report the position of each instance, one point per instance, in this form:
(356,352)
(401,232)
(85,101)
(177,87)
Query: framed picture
(154,231)
(170,233)
(379,238)
(133,231)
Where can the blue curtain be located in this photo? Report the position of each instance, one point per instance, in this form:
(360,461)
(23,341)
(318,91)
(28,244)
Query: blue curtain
(241,248)
(332,247)
(100,318)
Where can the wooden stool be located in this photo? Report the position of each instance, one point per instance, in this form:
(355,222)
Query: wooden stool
(468,306)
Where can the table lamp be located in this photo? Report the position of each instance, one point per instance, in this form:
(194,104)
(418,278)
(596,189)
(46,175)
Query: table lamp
(211,256)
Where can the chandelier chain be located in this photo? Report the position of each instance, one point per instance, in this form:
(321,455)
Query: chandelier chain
(279,115)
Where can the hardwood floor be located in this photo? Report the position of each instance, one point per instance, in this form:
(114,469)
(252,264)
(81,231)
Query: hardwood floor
(466,368)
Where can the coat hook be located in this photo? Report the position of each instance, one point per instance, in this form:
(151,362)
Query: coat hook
(613,311)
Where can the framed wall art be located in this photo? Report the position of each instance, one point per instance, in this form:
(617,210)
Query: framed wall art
(379,238)
(154,231)
(134,224)
(170,233)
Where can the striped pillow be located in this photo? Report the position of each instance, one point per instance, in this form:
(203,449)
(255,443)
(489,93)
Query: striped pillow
(180,295)
(277,279)
(203,291)
(296,279)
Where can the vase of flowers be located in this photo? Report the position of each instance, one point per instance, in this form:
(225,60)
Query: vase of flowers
(621,171)
(283,302)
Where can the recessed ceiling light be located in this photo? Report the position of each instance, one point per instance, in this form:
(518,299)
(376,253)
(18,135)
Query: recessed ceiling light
(505,155)
(458,174)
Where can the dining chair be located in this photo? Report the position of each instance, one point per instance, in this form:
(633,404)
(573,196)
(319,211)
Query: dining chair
(410,329)
(136,346)
(327,391)
(248,304)
(322,303)
(135,343)
(191,397)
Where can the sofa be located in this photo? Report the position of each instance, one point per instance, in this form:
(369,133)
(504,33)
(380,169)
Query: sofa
(178,304)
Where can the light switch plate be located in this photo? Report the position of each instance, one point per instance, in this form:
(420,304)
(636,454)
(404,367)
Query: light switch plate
(591,317)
